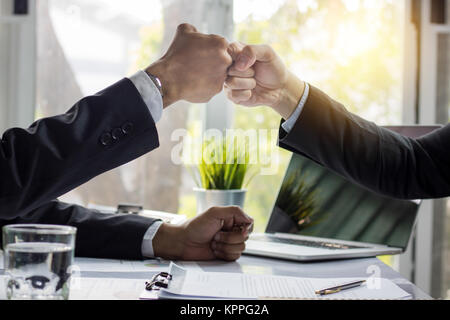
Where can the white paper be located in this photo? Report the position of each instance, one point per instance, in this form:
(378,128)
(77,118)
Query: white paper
(96,288)
(110,265)
(105,288)
(3,287)
(195,284)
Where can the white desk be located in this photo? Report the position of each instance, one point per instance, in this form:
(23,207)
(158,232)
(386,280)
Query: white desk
(128,284)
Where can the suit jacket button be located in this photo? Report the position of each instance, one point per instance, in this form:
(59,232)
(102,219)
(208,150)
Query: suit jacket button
(117,133)
(127,127)
(106,139)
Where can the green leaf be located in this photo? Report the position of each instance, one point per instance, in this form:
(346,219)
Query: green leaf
(216,173)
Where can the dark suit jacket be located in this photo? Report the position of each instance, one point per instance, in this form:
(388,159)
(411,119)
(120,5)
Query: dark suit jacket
(376,158)
(57,154)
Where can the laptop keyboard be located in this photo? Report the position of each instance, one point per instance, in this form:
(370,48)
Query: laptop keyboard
(306,243)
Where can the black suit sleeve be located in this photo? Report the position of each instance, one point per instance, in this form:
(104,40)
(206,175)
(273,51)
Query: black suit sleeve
(376,158)
(55,155)
(99,235)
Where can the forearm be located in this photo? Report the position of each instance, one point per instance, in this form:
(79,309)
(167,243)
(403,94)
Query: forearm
(99,235)
(170,86)
(290,96)
(168,242)
(57,154)
(365,153)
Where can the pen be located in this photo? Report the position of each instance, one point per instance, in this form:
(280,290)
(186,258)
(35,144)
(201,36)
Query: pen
(340,288)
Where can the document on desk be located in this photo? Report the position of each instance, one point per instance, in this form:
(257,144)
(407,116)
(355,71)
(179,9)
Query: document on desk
(105,288)
(111,265)
(193,284)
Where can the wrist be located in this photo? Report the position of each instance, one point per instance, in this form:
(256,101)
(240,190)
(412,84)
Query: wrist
(170,91)
(290,96)
(168,242)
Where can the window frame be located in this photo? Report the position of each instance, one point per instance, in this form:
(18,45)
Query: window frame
(18,82)
(420,263)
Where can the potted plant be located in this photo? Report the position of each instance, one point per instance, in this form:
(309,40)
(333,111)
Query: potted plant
(297,204)
(221,174)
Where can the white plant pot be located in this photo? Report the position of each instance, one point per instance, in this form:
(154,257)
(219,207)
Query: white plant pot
(218,198)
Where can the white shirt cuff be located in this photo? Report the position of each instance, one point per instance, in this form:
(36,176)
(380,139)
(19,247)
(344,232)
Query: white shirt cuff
(149,93)
(147,242)
(290,123)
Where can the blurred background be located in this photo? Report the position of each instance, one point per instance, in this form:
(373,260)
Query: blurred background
(386,60)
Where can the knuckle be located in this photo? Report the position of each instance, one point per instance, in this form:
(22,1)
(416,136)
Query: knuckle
(231,81)
(222,42)
(237,209)
(229,257)
(211,210)
(233,47)
(219,41)
(227,58)
(268,49)
(249,50)
(182,26)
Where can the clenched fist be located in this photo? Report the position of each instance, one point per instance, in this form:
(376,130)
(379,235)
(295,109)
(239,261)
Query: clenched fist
(194,67)
(219,233)
(259,77)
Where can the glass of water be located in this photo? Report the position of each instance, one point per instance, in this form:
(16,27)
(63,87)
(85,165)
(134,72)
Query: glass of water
(38,260)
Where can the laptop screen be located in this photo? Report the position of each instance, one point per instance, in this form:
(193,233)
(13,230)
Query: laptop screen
(314,201)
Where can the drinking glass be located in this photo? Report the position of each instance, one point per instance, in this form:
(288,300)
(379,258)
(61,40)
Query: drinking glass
(38,260)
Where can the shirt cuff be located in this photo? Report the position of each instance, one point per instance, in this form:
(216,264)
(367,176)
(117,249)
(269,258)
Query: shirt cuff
(289,123)
(147,242)
(149,93)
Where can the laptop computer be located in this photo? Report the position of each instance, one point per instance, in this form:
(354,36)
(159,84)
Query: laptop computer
(319,215)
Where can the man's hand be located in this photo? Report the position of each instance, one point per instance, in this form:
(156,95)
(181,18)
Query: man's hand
(219,233)
(194,67)
(259,77)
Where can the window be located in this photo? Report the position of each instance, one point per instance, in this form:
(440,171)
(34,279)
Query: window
(350,49)
(443,77)
(430,252)
(443,109)
(17,62)
(85,46)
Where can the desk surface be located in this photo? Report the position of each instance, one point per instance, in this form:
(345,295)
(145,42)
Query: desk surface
(248,264)
(128,284)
